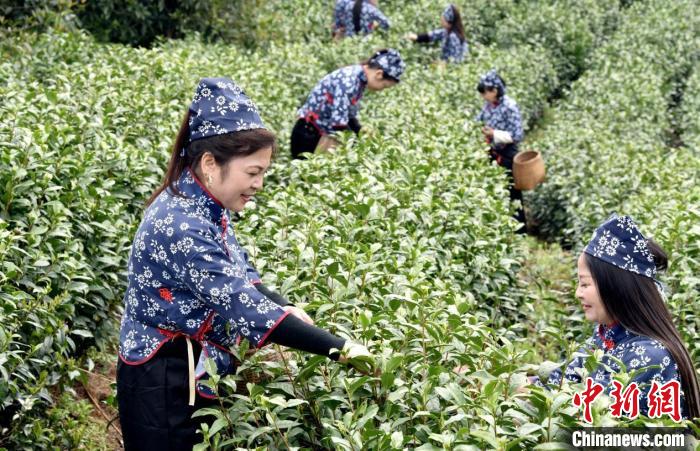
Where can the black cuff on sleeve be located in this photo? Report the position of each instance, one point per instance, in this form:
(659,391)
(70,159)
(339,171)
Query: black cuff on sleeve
(272,295)
(295,333)
(423,38)
(354,125)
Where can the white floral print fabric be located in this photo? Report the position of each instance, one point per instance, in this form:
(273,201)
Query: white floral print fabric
(188,276)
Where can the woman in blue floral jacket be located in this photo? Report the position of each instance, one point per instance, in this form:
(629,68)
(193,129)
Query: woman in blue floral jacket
(618,291)
(192,291)
(334,102)
(503,130)
(451,35)
(352,17)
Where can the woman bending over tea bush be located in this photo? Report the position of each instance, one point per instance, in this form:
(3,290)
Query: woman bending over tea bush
(335,101)
(619,291)
(352,17)
(192,292)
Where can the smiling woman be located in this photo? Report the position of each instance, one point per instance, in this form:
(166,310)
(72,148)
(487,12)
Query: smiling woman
(192,291)
(619,291)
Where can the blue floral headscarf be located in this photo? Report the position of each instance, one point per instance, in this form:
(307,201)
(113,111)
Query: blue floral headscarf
(220,106)
(390,61)
(619,242)
(449,13)
(491,80)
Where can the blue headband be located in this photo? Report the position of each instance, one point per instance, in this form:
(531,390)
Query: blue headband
(390,62)
(619,242)
(220,106)
(491,79)
(449,13)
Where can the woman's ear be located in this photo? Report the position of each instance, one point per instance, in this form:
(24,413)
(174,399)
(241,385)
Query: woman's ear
(207,163)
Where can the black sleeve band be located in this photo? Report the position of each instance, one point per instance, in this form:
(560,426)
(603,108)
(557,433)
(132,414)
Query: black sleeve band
(423,38)
(354,125)
(295,333)
(272,295)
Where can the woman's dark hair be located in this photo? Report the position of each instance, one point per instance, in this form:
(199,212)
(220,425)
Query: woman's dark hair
(357,14)
(224,148)
(456,25)
(482,87)
(634,301)
(371,62)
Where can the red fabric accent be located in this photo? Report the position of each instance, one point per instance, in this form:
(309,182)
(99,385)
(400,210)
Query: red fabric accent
(166,294)
(206,327)
(311,118)
(329,97)
(262,341)
(201,185)
(607,343)
(256,282)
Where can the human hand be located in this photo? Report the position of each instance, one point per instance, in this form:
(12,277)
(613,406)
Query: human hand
(299,313)
(411,36)
(487,131)
(359,357)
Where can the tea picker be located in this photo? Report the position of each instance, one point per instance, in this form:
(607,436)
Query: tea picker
(451,35)
(357,17)
(503,130)
(620,293)
(192,291)
(334,103)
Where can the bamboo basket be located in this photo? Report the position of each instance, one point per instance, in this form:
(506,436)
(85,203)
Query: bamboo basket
(528,170)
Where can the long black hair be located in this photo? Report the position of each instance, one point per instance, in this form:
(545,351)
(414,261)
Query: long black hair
(224,148)
(356,14)
(456,26)
(635,302)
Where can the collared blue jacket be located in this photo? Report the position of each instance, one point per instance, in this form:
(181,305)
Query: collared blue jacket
(503,115)
(636,352)
(335,99)
(188,276)
(453,49)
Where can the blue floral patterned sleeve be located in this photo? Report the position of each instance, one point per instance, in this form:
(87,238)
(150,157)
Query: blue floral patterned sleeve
(437,35)
(220,282)
(375,15)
